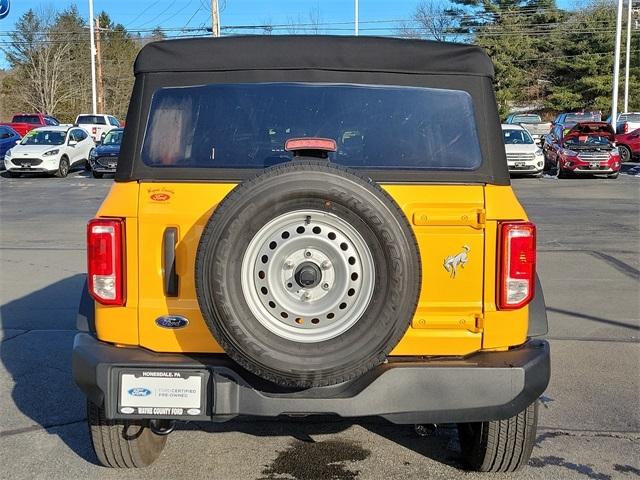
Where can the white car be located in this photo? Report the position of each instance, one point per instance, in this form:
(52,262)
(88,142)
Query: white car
(97,125)
(523,155)
(49,150)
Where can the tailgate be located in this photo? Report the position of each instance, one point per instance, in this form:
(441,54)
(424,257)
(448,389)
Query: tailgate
(449,223)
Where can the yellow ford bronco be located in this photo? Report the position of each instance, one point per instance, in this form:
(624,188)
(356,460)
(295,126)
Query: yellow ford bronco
(312,225)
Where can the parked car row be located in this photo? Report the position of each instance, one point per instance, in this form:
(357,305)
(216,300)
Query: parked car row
(576,143)
(46,146)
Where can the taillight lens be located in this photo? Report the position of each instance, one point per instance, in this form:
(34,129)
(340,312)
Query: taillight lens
(517,264)
(94,130)
(105,260)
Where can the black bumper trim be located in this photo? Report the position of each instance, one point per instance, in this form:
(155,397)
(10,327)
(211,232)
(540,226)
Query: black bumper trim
(482,387)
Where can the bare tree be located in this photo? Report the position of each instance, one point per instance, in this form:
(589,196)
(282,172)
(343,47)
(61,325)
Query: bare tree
(432,19)
(40,59)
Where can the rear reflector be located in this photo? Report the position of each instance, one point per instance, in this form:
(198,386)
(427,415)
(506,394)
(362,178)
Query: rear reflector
(517,264)
(325,144)
(105,260)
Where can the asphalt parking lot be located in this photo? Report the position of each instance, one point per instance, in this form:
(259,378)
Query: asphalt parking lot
(589,264)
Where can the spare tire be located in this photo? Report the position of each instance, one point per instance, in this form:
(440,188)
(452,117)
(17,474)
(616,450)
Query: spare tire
(308,274)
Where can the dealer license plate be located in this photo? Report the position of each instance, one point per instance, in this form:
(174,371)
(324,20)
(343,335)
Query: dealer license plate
(520,164)
(594,165)
(161,393)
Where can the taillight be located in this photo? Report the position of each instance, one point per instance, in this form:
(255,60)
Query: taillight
(517,264)
(94,130)
(106,260)
(626,128)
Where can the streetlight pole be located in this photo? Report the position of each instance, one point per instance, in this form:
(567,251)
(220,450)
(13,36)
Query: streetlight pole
(93,60)
(627,58)
(616,68)
(357,14)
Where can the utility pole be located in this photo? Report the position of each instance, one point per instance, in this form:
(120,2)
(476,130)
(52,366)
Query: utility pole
(627,58)
(357,21)
(215,18)
(99,84)
(616,68)
(93,59)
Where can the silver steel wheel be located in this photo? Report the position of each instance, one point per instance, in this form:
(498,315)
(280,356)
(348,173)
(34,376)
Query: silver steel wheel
(308,276)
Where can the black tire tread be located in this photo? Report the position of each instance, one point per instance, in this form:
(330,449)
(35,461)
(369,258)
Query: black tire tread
(112,447)
(500,445)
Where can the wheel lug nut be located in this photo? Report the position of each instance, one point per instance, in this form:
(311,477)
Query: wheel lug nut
(325,286)
(307,253)
(326,265)
(288,265)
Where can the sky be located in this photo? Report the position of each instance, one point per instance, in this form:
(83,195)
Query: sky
(146,14)
(377,17)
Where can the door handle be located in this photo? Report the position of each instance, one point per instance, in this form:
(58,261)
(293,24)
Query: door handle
(170,280)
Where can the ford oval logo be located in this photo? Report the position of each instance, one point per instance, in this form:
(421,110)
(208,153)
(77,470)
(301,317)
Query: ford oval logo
(139,392)
(172,321)
(4,8)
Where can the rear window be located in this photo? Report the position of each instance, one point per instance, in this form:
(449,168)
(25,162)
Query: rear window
(583,117)
(527,119)
(375,127)
(26,119)
(91,120)
(629,117)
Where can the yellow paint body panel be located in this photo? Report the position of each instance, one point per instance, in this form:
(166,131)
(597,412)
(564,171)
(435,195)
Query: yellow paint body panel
(455,315)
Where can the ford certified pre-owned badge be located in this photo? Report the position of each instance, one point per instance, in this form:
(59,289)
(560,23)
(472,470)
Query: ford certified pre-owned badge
(139,392)
(171,321)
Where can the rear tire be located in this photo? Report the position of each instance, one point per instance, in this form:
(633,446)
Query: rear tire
(500,445)
(122,444)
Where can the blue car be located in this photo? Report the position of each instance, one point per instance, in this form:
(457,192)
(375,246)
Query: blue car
(104,158)
(8,139)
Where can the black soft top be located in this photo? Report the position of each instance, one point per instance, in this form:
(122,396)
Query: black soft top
(371,54)
(314,59)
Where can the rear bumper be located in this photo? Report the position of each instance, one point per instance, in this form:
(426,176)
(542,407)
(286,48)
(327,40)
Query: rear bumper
(481,387)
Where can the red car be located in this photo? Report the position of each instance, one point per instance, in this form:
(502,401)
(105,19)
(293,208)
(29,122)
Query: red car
(585,148)
(25,122)
(629,145)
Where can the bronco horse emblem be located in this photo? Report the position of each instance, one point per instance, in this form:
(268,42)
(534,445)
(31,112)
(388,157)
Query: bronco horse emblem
(452,262)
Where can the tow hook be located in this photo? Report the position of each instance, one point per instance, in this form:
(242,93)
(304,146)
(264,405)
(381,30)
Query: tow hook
(162,427)
(426,430)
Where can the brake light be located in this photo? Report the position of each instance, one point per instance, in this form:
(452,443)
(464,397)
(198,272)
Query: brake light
(517,264)
(325,144)
(94,130)
(106,260)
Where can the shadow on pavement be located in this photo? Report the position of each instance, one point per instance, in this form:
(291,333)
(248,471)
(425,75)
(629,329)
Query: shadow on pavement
(38,359)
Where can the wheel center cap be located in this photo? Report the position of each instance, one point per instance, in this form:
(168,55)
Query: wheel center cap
(308,275)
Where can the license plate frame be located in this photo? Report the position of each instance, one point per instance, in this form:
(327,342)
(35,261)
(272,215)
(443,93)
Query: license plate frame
(594,164)
(161,393)
(521,164)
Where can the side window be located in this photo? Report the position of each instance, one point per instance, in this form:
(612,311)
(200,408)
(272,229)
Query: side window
(51,121)
(114,122)
(4,133)
(80,135)
(73,135)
